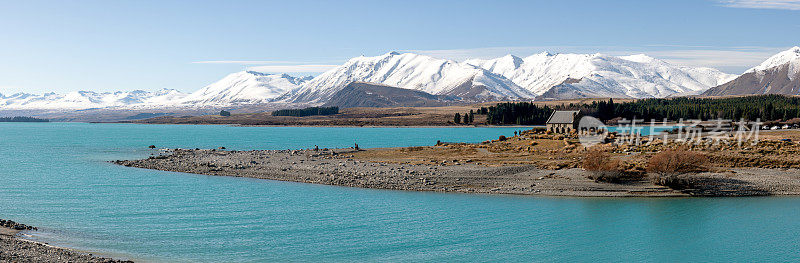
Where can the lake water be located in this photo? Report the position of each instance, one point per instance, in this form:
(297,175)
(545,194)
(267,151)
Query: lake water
(55,176)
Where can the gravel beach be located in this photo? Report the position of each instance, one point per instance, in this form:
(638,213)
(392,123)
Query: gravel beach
(337,167)
(15,249)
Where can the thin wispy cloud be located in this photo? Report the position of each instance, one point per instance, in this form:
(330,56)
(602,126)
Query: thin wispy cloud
(276,66)
(489,52)
(292,68)
(763,4)
(731,61)
(8,90)
(245,62)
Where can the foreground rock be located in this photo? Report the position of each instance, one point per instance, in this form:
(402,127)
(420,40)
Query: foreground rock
(337,167)
(15,249)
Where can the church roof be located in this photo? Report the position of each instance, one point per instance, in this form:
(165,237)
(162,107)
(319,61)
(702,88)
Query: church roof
(563,116)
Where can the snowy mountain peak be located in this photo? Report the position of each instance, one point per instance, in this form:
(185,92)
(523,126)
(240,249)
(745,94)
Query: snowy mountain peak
(245,87)
(779,74)
(541,76)
(790,56)
(600,75)
(89,99)
(410,71)
(641,58)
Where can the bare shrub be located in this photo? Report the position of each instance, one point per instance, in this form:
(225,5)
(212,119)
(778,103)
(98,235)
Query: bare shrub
(674,162)
(670,168)
(603,168)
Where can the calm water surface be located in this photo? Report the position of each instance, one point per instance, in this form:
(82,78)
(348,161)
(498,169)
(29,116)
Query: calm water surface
(55,176)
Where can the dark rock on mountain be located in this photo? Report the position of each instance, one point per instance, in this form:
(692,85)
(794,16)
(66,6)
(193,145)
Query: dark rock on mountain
(364,94)
(777,80)
(566,90)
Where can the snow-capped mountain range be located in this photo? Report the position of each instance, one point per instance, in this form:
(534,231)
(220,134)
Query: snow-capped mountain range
(410,71)
(536,77)
(598,75)
(246,87)
(78,100)
(779,74)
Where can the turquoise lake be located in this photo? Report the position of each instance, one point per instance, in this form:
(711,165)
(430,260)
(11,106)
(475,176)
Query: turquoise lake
(56,176)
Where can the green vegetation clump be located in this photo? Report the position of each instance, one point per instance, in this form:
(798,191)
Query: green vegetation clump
(310,111)
(224,113)
(22,119)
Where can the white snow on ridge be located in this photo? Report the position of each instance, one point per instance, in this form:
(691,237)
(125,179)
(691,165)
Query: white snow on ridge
(790,57)
(539,76)
(636,76)
(88,99)
(246,87)
(409,71)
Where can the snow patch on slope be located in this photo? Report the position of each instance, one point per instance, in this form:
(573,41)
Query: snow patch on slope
(88,99)
(636,76)
(409,71)
(246,87)
(790,57)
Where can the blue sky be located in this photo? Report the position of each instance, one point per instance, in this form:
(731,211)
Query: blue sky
(64,46)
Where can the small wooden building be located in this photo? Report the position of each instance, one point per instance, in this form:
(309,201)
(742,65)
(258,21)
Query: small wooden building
(563,121)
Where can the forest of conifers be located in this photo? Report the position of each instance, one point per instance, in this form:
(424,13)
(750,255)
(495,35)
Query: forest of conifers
(22,119)
(763,107)
(307,111)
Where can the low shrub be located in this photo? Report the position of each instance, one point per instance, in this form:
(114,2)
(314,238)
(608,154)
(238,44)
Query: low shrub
(501,138)
(677,182)
(603,168)
(675,162)
(672,168)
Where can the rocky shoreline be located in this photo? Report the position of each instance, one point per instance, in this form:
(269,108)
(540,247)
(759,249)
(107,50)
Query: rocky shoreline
(338,167)
(15,249)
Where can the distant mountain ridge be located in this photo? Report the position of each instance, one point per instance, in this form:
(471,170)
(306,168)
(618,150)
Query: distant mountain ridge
(568,76)
(542,76)
(245,87)
(89,99)
(779,74)
(410,71)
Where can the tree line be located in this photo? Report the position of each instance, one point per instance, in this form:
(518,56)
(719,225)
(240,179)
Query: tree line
(467,118)
(22,119)
(750,108)
(310,111)
(519,113)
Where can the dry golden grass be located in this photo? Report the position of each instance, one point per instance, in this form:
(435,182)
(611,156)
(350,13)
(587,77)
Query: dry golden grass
(529,149)
(397,116)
